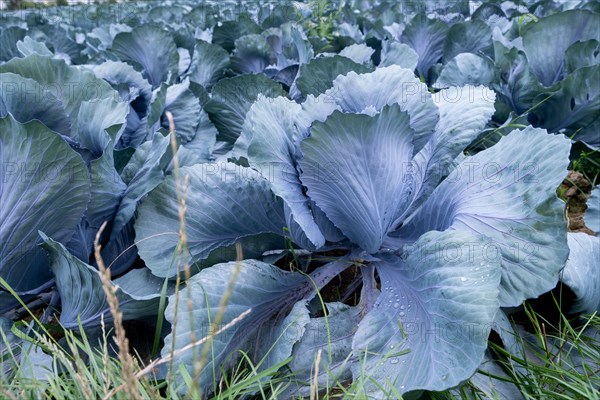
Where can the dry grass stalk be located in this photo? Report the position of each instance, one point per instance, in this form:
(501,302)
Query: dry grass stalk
(314,386)
(181,200)
(150,367)
(128,364)
(80,375)
(222,305)
(199,363)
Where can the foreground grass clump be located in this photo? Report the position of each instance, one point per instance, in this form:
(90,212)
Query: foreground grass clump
(554,360)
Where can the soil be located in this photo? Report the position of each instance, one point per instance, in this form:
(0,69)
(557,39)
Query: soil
(575,191)
(338,286)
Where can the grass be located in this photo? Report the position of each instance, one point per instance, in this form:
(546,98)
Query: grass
(586,161)
(86,369)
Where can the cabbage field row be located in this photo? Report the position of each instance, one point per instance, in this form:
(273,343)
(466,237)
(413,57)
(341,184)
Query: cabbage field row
(338,191)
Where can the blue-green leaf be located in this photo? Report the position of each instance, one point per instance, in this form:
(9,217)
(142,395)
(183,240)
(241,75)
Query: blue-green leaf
(581,272)
(507,193)
(27,100)
(562,30)
(233,97)
(152,49)
(273,150)
(261,290)
(453,133)
(208,63)
(145,175)
(394,53)
(44,186)
(317,76)
(333,336)
(70,85)
(426,36)
(473,37)
(592,213)
(83,298)
(466,69)
(224,203)
(429,326)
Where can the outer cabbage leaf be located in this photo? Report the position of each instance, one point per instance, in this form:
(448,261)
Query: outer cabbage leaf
(225,202)
(44,186)
(35,364)
(8,42)
(592,213)
(314,109)
(517,84)
(278,15)
(394,53)
(574,105)
(172,13)
(62,43)
(333,336)
(582,54)
(231,100)
(473,36)
(465,69)
(27,100)
(361,190)
(99,121)
(208,63)
(453,133)
(130,84)
(507,193)
(156,111)
(574,361)
(9,342)
(107,189)
(359,53)
(146,175)
(153,49)
(182,103)
(261,290)
(426,36)
(492,388)
(252,54)
(185,107)
(562,30)
(565,350)
(581,272)
(28,46)
(226,33)
(317,76)
(120,252)
(276,339)
(82,295)
(70,85)
(82,241)
(429,326)
(203,15)
(200,148)
(294,45)
(100,38)
(272,150)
